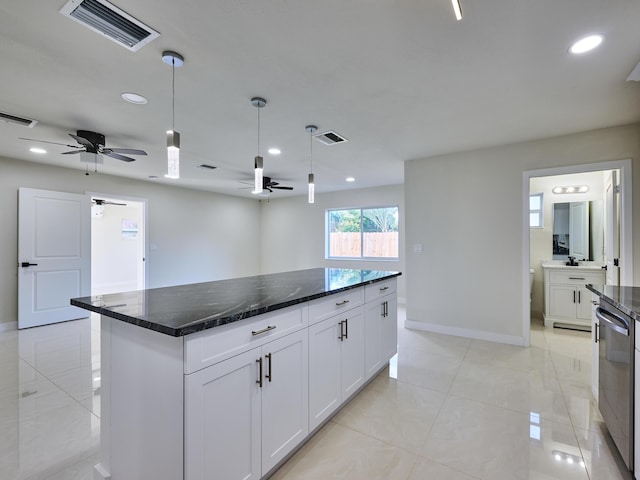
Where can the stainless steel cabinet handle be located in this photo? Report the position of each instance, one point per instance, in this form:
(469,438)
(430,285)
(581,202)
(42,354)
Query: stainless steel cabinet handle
(341,337)
(576,278)
(264,330)
(596,332)
(579,296)
(268,375)
(259,381)
(344,302)
(346,328)
(574,296)
(615,322)
(384,288)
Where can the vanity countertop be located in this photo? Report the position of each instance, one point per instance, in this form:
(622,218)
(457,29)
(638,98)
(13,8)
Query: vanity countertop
(626,299)
(186,309)
(560,265)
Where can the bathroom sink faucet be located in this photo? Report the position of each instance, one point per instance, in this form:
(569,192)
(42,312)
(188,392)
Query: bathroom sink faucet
(572,262)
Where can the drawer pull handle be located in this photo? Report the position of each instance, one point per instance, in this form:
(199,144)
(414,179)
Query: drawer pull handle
(344,302)
(264,330)
(384,288)
(346,328)
(268,375)
(259,381)
(576,278)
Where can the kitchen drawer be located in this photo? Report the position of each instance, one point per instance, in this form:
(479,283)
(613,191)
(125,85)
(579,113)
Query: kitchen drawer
(214,345)
(576,277)
(379,289)
(326,307)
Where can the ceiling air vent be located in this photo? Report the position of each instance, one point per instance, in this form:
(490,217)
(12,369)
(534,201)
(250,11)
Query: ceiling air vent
(107,19)
(24,122)
(330,138)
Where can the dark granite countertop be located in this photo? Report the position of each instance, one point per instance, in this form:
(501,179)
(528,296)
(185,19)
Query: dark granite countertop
(186,309)
(626,299)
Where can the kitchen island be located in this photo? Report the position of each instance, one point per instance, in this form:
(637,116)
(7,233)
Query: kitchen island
(227,379)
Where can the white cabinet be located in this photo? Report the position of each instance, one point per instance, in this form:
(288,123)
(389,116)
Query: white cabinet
(336,363)
(567,299)
(381,341)
(244,414)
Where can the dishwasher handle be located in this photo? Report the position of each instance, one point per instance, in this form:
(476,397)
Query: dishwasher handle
(613,321)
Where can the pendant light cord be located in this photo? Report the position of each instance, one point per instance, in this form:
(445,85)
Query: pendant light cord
(173,94)
(258,131)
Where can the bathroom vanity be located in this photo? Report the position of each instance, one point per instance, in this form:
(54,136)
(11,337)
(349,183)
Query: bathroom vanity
(227,379)
(566,298)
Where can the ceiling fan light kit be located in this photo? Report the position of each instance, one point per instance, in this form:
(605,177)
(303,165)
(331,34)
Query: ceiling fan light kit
(173,138)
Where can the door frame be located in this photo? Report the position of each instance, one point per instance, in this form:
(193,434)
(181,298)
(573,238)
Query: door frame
(626,225)
(145,221)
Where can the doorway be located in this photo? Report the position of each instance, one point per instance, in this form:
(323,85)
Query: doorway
(529,256)
(118,243)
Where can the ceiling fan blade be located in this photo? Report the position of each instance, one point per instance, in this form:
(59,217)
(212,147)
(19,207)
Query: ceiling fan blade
(282,188)
(46,141)
(130,151)
(80,150)
(81,140)
(119,157)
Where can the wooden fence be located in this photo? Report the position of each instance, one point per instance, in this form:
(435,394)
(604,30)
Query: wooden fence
(375,244)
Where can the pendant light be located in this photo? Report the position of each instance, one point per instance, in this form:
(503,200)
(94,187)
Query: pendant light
(258,166)
(311,129)
(457,9)
(173,138)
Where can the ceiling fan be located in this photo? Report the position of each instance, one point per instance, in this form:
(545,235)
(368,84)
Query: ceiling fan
(92,142)
(270,185)
(100,201)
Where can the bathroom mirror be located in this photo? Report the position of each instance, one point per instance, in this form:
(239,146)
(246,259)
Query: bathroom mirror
(578,230)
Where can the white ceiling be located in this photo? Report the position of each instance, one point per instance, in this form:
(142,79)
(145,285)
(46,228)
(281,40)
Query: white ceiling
(401,79)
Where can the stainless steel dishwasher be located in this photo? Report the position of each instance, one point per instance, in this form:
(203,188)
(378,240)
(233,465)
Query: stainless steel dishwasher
(615,383)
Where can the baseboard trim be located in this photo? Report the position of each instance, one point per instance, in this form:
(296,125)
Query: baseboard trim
(464,332)
(8,326)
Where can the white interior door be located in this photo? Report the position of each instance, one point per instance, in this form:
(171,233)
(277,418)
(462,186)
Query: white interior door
(612,229)
(54,256)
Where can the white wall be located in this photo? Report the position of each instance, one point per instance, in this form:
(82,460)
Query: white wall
(117,263)
(195,236)
(293,231)
(466,208)
(541,239)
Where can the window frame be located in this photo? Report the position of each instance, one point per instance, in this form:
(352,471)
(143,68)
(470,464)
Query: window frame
(327,236)
(539,211)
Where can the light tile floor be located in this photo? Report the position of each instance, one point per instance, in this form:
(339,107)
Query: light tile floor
(448,408)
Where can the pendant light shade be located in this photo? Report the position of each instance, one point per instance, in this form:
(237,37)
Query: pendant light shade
(312,187)
(173,138)
(258,165)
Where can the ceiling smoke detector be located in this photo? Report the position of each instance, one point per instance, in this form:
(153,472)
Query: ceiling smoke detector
(330,138)
(108,20)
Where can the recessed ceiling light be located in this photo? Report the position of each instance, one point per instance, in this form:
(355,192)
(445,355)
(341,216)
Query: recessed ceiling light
(134,98)
(274,151)
(586,44)
(37,150)
(350,179)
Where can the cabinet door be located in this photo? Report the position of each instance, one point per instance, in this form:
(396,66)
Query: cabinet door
(352,354)
(562,301)
(389,329)
(373,337)
(222,420)
(324,370)
(285,397)
(583,299)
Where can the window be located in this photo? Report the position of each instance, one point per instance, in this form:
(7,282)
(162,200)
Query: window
(370,233)
(535,210)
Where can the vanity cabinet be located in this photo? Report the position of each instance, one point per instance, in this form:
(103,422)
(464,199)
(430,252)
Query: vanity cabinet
(567,299)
